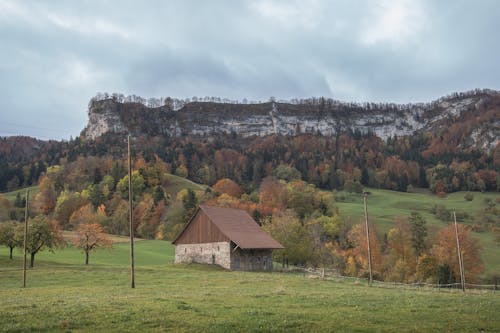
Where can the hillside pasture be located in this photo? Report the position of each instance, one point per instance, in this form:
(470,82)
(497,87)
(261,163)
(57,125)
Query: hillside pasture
(176,183)
(385,205)
(11,196)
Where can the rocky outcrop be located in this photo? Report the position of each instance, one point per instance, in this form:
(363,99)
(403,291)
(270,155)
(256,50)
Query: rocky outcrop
(103,118)
(320,117)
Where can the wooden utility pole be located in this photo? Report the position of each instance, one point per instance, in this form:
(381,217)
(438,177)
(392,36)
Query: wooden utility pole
(460,259)
(131,223)
(25,237)
(365,194)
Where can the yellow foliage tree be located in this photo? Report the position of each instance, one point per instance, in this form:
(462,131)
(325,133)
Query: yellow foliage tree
(90,237)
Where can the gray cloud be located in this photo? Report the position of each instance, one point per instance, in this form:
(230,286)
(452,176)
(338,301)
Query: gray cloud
(56,55)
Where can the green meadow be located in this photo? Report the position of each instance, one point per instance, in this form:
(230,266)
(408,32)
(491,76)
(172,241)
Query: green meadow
(33,191)
(63,295)
(176,183)
(384,206)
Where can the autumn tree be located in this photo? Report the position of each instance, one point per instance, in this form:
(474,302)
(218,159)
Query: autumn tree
(46,198)
(272,195)
(5,207)
(301,196)
(286,173)
(67,204)
(84,215)
(358,255)
(401,262)
(295,237)
(445,251)
(147,216)
(8,235)
(118,222)
(427,269)
(229,187)
(138,185)
(323,230)
(90,237)
(42,234)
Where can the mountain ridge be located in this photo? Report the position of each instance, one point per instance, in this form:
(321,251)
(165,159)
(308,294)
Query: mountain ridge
(316,115)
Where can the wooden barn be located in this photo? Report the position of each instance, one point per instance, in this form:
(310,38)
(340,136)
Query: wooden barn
(226,237)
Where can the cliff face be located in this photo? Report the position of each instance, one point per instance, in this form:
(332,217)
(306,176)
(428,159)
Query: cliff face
(104,117)
(326,118)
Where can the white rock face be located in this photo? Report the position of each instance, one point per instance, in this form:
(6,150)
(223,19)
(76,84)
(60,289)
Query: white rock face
(103,118)
(383,124)
(101,123)
(285,119)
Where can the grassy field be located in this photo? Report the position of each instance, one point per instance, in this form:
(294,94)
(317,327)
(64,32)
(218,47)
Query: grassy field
(65,296)
(384,205)
(176,183)
(12,195)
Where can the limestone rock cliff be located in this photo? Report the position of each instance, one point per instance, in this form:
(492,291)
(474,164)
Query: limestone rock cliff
(325,117)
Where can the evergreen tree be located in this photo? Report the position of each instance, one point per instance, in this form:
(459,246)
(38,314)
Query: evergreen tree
(19,202)
(158,194)
(418,232)
(189,203)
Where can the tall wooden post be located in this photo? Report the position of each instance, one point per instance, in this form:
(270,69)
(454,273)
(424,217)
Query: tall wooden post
(368,239)
(460,259)
(131,223)
(25,237)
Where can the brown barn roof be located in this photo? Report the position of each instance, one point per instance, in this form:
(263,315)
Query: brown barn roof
(239,227)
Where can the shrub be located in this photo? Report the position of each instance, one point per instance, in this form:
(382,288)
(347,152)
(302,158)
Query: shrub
(441,213)
(353,186)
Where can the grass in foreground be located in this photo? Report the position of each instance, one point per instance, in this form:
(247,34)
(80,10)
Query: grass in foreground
(63,296)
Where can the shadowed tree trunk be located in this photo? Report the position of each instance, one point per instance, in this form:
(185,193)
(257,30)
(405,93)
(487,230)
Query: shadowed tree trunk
(10,256)
(32,259)
(86,258)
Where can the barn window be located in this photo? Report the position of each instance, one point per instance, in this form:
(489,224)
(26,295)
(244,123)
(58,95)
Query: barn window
(185,250)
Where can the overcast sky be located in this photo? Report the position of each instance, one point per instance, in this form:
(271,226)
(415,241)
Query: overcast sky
(56,55)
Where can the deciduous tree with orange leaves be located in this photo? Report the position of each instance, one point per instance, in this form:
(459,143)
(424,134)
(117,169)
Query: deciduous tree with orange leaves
(445,251)
(400,261)
(272,196)
(90,237)
(47,197)
(359,252)
(229,187)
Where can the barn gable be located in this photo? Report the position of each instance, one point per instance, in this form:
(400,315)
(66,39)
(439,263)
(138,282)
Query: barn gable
(217,224)
(200,229)
(227,237)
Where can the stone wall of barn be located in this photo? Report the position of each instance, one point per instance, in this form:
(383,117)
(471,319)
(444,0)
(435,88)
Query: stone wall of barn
(217,253)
